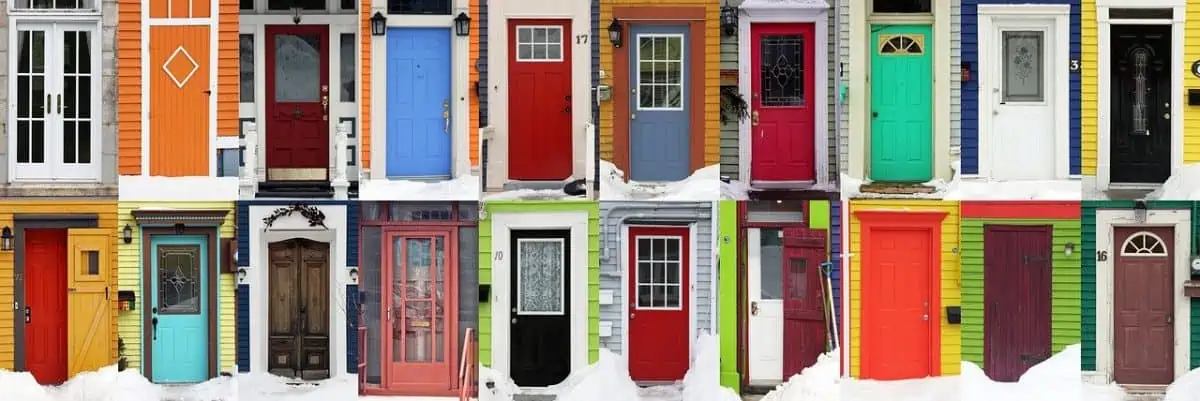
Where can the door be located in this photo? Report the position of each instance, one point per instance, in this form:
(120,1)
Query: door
(659,122)
(540,329)
(782,63)
(1017,263)
(1140,126)
(297,140)
(803,298)
(898,327)
(659,324)
(419,128)
(179,292)
(901,103)
(764,289)
(89,300)
(56,85)
(1143,306)
(540,128)
(421,312)
(1023,98)
(298,311)
(46,305)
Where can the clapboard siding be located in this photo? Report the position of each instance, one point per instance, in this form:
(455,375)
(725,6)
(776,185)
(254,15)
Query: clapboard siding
(729,129)
(956,46)
(482,64)
(835,255)
(842,25)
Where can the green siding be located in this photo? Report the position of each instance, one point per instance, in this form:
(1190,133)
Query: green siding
(1065,288)
(727,300)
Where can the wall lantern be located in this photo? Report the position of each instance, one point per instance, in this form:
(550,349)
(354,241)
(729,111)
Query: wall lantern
(729,19)
(966,72)
(614,32)
(297,11)
(6,239)
(1069,248)
(127,234)
(1139,211)
(462,25)
(1196,265)
(353,275)
(241,275)
(378,24)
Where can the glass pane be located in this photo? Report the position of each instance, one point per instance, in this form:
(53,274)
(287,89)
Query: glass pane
(246,5)
(1023,66)
(93,262)
(645,297)
(673,296)
(59,4)
(644,271)
(660,71)
(287,4)
(659,273)
(297,68)
(349,4)
(31,96)
(348,63)
(540,276)
(76,106)
(673,272)
(179,279)
(1141,60)
(771,264)
(246,69)
(228,161)
(417,211)
(419,7)
(797,278)
(782,71)
(901,6)
(370,284)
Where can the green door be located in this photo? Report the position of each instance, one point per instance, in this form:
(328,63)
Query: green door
(901,103)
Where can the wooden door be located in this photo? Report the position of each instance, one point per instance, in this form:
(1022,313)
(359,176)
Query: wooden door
(539,100)
(901,103)
(297,140)
(659,276)
(1143,305)
(660,120)
(298,312)
(540,326)
(1140,115)
(1017,263)
(803,298)
(89,306)
(46,305)
(898,322)
(419,126)
(177,101)
(420,290)
(782,123)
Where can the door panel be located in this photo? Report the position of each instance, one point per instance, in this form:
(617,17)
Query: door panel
(179,293)
(420,286)
(89,309)
(418,102)
(540,330)
(46,303)
(1017,264)
(898,326)
(901,103)
(299,309)
(297,142)
(1143,305)
(659,125)
(539,103)
(764,290)
(804,298)
(782,62)
(1023,98)
(1140,126)
(659,277)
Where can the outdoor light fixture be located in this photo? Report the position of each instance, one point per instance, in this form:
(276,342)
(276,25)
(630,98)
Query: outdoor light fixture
(1139,211)
(462,25)
(614,32)
(353,275)
(127,234)
(6,239)
(729,19)
(241,275)
(297,10)
(1069,248)
(378,24)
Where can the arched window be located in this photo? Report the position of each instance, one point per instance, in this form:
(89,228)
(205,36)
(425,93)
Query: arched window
(1144,243)
(902,44)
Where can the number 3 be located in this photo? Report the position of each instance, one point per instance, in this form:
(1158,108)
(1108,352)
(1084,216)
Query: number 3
(1074,65)
(581,39)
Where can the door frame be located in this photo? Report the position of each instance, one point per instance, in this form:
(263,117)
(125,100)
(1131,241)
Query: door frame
(1106,220)
(451,304)
(692,303)
(1104,85)
(994,16)
(502,226)
(147,234)
(816,13)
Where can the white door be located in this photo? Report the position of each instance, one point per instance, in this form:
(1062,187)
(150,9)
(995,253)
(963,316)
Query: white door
(1020,81)
(54,114)
(764,285)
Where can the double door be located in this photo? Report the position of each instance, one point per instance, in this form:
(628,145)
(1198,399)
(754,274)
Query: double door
(298,312)
(419,305)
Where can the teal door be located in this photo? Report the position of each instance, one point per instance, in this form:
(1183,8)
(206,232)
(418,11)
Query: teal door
(179,308)
(901,103)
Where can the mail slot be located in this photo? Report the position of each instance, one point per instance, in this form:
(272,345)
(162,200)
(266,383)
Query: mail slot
(954,314)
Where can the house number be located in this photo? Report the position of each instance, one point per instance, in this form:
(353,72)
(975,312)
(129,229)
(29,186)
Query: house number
(1075,65)
(581,39)
(499,256)
(1101,256)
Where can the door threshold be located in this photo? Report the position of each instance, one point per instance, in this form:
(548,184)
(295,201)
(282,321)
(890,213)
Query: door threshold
(760,184)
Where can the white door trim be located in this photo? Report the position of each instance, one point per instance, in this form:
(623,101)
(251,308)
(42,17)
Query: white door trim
(752,13)
(625,293)
(502,224)
(1180,220)
(1104,67)
(1055,18)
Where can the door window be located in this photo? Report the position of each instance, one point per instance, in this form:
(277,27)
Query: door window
(770,264)
(797,278)
(297,68)
(1144,243)
(901,45)
(437,7)
(782,71)
(1141,60)
(418,294)
(179,279)
(660,72)
(54,4)
(540,286)
(659,267)
(539,43)
(1024,68)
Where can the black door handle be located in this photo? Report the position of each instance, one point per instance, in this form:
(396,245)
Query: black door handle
(154,327)
(28,315)
(874,114)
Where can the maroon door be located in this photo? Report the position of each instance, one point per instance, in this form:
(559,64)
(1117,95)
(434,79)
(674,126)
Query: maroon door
(46,300)
(782,105)
(297,126)
(1017,264)
(1143,305)
(659,340)
(803,299)
(420,291)
(539,100)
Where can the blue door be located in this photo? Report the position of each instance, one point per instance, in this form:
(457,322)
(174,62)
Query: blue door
(418,103)
(658,122)
(179,308)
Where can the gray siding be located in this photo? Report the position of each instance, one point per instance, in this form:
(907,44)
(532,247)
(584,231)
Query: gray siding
(843,44)
(614,217)
(729,130)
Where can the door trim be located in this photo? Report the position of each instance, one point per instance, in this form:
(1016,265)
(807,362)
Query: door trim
(992,17)
(691,266)
(1104,87)
(1180,219)
(147,249)
(819,17)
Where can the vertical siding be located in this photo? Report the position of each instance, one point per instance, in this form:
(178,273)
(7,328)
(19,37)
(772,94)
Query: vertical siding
(129,87)
(364,95)
(597,38)
(179,116)
(1089,78)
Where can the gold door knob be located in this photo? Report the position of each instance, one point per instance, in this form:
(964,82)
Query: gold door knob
(754,118)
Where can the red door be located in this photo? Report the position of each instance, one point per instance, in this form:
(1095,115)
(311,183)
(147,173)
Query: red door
(297,129)
(899,302)
(782,104)
(659,339)
(803,299)
(1016,296)
(46,303)
(539,100)
(1143,305)
(420,311)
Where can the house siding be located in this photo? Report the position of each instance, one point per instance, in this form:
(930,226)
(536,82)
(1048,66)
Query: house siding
(1089,78)
(481,66)
(729,77)
(366,8)
(835,256)
(842,8)
(1191,52)
(727,280)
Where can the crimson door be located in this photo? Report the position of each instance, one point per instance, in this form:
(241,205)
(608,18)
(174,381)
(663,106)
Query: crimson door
(1016,294)
(420,311)
(1143,305)
(659,339)
(539,100)
(782,104)
(803,299)
(297,126)
(46,303)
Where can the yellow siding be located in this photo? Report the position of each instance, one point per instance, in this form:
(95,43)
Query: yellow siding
(107,213)
(130,278)
(1191,49)
(1089,68)
(951,337)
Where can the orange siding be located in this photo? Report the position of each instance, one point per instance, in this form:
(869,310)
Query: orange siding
(129,87)
(228,64)
(364,134)
(179,118)
(473,109)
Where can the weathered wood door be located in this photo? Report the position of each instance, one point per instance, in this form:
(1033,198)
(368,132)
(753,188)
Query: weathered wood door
(540,326)
(1143,305)
(298,312)
(1017,264)
(539,99)
(297,146)
(659,332)
(89,306)
(1140,115)
(420,293)
(803,298)
(46,305)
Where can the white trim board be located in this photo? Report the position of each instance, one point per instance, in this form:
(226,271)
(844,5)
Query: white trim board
(692,300)
(1180,220)
(501,302)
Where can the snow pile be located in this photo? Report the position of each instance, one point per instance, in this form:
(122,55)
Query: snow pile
(22,386)
(959,188)
(106,384)
(607,380)
(735,190)
(942,388)
(463,187)
(1186,388)
(503,388)
(703,380)
(531,194)
(703,185)
(1184,184)
(818,382)
(187,189)
(1055,379)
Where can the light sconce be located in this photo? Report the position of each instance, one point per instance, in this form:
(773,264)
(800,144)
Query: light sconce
(297,11)
(729,20)
(1196,265)
(353,275)
(1069,248)
(462,25)
(378,24)
(241,275)
(6,239)
(966,72)
(127,234)
(1139,211)
(614,32)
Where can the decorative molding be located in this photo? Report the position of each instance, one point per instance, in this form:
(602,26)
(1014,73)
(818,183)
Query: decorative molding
(784,4)
(194,217)
(316,218)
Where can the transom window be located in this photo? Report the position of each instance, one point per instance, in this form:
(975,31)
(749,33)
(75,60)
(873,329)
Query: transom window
(659,267)
(1144,243)
(782,70)
(660,71)
(539,43)
(902,44)
(306,5)
(902,6)
(54,4)
(1024,66)
(541,264)
(436,7)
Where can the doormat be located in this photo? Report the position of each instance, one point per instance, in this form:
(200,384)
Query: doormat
(896,189)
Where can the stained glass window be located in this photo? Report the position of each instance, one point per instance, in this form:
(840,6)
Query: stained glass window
(1141,60)
(782,71)
(1024,66)
(179,279)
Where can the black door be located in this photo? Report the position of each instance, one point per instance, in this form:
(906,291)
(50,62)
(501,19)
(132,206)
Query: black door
(540,329)
(1140,124)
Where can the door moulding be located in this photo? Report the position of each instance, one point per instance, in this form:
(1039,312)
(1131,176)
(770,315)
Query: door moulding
(147,274)
(692,301)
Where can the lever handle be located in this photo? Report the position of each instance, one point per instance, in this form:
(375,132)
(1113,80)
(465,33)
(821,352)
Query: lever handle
(446,115)
(154,327)
(47,108)
(874,114)
(28,315)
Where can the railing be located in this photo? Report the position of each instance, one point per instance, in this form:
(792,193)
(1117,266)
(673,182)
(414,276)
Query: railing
(467,368)
(362,352)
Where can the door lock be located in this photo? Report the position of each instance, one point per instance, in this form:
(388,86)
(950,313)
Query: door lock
(514,320)
(1170,319)
(28,315)
(925,317)
(631,315)
(1166,116)
(446,115)
(325,107)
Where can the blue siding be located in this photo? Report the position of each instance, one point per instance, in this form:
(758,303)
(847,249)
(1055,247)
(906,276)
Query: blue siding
(242,220)
(970,89)
(352,327)
(352,229)
(243,225)
(835,253)
(243,328)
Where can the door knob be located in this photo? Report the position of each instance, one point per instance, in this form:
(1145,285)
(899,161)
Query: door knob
(154,327)
(754,118)
(446,114)
(874,114)
(514,320)
(1166,116)
(925,317)
(28,315)
(1170,319)
(631,315)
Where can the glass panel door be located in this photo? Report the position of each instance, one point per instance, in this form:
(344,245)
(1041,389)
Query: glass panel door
(418,297)
(33,97)
(78,120)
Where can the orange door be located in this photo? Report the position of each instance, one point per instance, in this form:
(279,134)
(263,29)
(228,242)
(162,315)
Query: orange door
(178,101)
(899,307)
(89,308)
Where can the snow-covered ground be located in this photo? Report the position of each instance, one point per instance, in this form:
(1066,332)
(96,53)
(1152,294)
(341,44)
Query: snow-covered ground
(461,188)
(970,188)
(1184,184)
(703,185)
(531,194)
(107,384)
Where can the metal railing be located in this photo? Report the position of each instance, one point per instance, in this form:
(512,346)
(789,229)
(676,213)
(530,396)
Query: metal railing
(467,367)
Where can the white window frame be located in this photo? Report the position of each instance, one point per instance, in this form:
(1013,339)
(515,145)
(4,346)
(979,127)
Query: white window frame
(683,76)
(1149,234)
(548,28)
(93,11)
(562,283)
(637,264)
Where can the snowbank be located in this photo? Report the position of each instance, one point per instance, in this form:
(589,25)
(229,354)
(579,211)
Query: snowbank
(1186,388)
(1184,184)
(818,382)
(107,384)
(531,194)
(703,380)
(703,185)
(1055,379)
(959,188)
(607,380)
(463,187)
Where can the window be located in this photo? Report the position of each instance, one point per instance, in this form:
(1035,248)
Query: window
(228,161)
(348,5)
(246,5)
(92,258)
(348,58)
(539,43)
(283,5)
(1024,66)
(246,69)
(1144,243)
(55,4)
(659,272)
(902,6)
(902,45)
(770,243)
(782,70)
(660,72)
(540,276)
(437,7)
(179,281)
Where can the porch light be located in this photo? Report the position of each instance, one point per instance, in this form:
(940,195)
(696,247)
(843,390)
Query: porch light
(614,32)
(966,71)
(6,239)
(462,25)
(1139,211)
(729,19)
(297,11)
(127,234)
(1069,248)
(378,24)
(241,275)
(353,275)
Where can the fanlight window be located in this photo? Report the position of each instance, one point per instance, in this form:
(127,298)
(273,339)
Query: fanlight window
(1144,243)
(902,44)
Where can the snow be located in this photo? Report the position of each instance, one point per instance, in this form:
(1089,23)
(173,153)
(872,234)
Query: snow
(187,189)
(531,194)
(107,384)
(461,188)
(818,382)
(1184,184)
(973,188)
(1186,388)
(703,185)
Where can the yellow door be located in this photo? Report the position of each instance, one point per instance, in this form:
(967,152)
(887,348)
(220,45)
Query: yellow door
(89,309)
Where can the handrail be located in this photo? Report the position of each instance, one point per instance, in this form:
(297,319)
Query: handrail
(362,353)
(466,367)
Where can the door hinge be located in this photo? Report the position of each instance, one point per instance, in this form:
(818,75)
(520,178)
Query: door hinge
(105,293)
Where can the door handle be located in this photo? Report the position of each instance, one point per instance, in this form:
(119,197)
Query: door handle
(754,118)
(1170,319)
(1166,116)
(28,315)
(58,99)
(446,114)
(325,107)
(925,317)
(632,315)
(753,308)
(567,109)
(514,320)
(154,327)
(48,107)
(874,114)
